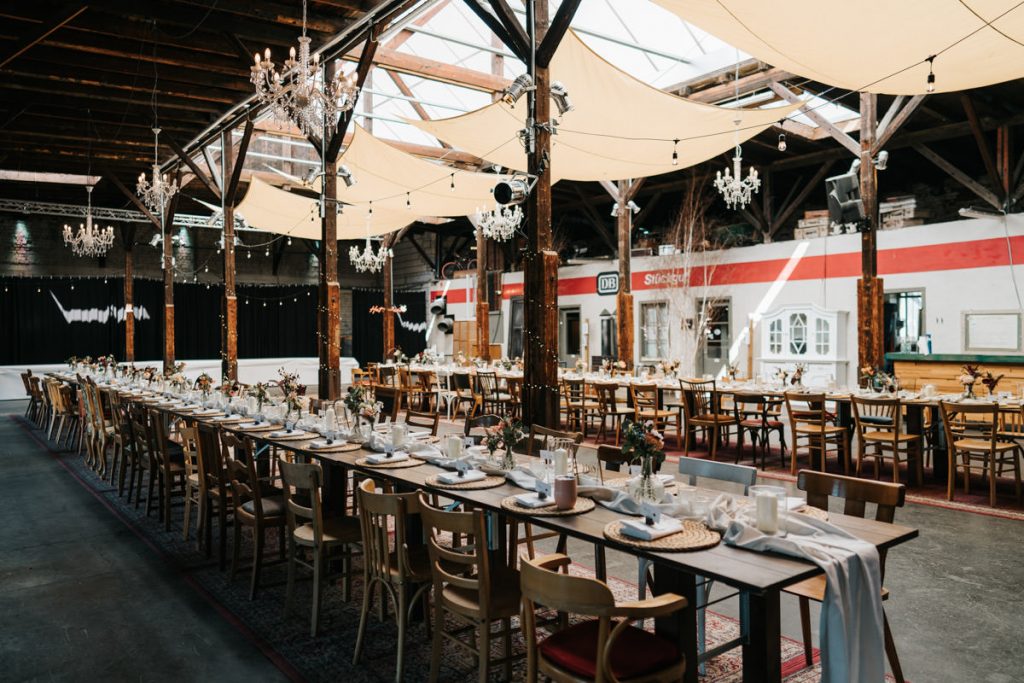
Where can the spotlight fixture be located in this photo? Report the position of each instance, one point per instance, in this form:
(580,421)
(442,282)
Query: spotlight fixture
(345,174)
(631,206)
(782,142)
(931,74)
(882,160)
(561,97)
(518,88)
(513,191)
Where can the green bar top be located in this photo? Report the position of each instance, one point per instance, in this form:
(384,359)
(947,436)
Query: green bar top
(957,358)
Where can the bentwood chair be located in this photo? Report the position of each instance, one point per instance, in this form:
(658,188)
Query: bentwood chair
(811,429)
(604,647)
(692,470)
(647,407)
(490,398)
(752,415)
(515,396)
(308,529)
(390,563)
(139,457)
(464,398)
(702,410)
(214,485)
(468,588)
(429,421)
(578,406)
(258,507)
(856,493)
(167,467)
(33,405)
(972,436)
(191,459)
(879,428)
(476,426)
(609,408)
(37,403)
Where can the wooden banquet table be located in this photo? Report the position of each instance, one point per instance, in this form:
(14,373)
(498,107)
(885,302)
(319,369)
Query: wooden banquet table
(759,577)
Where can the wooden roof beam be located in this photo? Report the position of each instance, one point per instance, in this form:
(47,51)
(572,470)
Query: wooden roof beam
(434,70)
(725,91)
(959,176)
(362,71)
(47,25)
(842,138)
(979,139)
(891,124)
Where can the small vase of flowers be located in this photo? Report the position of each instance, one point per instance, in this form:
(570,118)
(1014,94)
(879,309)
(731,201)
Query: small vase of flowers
(969,375)
(506,434)
(645,445)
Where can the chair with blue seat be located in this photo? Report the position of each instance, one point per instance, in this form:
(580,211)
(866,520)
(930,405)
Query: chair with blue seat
(693,469)
(880,436)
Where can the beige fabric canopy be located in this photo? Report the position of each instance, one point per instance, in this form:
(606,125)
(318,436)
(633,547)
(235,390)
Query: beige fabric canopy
(270,209)
(390,178)
(872,45)
(620,127)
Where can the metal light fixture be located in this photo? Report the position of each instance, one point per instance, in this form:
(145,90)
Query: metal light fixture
(500,224)
(519,87)
(156,191)
(734,188)
(300,91)
(368,261)
(346,175)
(561,97)
(632,206)
(91,240)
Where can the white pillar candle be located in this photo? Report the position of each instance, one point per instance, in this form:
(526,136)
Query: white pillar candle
(561,462)
(331,419)
(454,446)
(397,435)
(767,513)
(253,404)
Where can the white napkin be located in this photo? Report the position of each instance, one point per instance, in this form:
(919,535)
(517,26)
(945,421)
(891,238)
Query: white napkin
(378,458)
(322,443)
(638,528)
(454,478)
(532,500)
(426,451)
(278,433)
(208,411)
(226,418)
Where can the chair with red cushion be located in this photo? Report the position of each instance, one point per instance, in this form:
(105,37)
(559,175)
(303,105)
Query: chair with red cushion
(605,647)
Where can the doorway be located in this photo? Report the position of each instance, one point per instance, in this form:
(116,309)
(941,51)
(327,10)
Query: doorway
(569,337)
(716,337)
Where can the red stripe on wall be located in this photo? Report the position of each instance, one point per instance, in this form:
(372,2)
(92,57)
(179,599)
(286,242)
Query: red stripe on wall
(986,253)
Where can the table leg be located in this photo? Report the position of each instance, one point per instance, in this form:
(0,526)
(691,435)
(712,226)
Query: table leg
(335,489)
(680,627)
(762,660)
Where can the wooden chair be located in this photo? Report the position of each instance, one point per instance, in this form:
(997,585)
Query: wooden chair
(167,467)
(972,433)
(33,402)
(810,423)
(515,396)
(255,509)
(37,402)
(855,493)
(579,407)
(752,414)
(609,408)
(542,438)
(400,571)
(606,647)
(214,485)
(702,410)
(490,398)
(878,422)
(461,384)
(423,420)
(647,407)
(193,479)
(475,426)
(468,588)
(309,529)
(139,456)
(612,458)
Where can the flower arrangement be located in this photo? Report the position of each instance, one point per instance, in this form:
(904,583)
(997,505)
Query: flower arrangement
(506,363)
(645,445)
(370,410)
(149,374)
(798,374)
(507,434)
(72,362)
(107,361)
(581,365)
(621,365)
(876,379)
(990,381)
(782,375)
(518,362)
(460,358)
(228,387)
(177,380)
(292,390)
(204,383)
(259,392)
(354,398)
(732,370)
(668,367)
(969,374)
(176,369)
(397,356)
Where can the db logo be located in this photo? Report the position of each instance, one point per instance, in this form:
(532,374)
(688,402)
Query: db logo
(607,283)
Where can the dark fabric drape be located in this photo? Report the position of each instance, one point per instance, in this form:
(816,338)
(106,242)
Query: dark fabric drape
(49,320)
(368,329)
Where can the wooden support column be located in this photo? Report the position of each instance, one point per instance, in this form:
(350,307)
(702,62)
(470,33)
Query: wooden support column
(624,300)
(540,267)
(231,173)
(168,267)
(129,299)
(870,341)
(389,301)
(483,310)
(329,316)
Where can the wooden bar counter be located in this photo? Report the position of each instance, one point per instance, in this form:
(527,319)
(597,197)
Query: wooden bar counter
(943,370)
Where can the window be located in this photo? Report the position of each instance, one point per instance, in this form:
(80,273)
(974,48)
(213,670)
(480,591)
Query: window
(798,334)
(904,320)
(515,328)
(654,330)
(775,336)
(609,346)
(821,336)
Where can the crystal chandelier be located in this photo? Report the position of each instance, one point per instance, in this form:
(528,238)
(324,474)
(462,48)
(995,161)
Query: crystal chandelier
(91,240)
(501,223)
(293,92)
(734,188)
(157,191)
(367,261)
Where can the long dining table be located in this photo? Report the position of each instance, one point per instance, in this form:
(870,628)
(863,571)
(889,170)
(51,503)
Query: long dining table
(759,577)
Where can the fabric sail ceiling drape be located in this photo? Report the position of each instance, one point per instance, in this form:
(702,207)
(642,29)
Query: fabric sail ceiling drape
(620,127)
(875,46)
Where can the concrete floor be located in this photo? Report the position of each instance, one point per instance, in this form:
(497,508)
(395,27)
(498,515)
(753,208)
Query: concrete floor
(83,598)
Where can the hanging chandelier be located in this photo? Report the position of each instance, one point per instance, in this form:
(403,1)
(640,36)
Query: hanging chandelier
(157,191)
(293,93)
(368,261)
(734,188)
(91,240)
(500,224)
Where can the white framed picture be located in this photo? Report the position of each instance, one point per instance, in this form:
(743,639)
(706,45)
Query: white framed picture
(992,331)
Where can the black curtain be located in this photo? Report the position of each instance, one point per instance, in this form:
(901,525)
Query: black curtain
(49,320)
(368,329)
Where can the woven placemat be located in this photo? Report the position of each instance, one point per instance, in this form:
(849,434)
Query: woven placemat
(488,482)
(582,505)
(337,448)
(410,462)
(694,536)
(266,427)
(811,511)
(294,436)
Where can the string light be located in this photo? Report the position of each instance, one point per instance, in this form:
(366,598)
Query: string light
(931,73)
(408,201)
(675,154)
(782,142)
(452,186)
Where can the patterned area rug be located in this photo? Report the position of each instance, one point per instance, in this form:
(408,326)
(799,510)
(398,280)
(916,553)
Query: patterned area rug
(285,639)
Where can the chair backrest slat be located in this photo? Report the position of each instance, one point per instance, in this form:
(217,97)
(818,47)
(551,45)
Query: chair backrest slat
(694,468)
